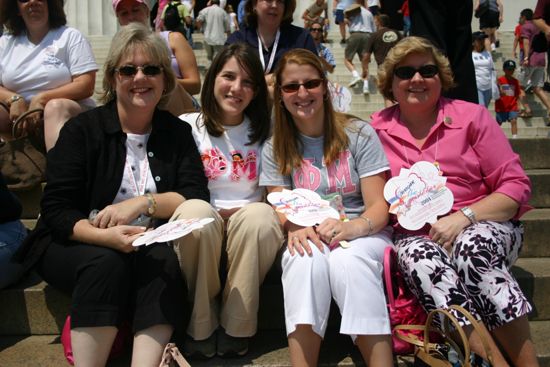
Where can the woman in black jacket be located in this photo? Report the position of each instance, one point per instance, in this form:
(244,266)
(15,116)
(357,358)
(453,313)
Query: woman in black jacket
(115,170)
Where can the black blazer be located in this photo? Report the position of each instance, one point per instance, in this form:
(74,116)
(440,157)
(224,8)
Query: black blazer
(85,168)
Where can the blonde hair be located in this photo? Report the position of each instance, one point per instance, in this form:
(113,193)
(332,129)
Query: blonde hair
(404,48)
(286,141)
(129,38)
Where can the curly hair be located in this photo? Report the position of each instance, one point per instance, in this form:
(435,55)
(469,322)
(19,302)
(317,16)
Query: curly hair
(14,24)
(404,48)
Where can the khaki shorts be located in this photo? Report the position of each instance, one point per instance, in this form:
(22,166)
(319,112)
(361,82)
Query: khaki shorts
(356,44)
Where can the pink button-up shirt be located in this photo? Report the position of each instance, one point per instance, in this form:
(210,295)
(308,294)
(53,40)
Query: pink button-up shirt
(470,147)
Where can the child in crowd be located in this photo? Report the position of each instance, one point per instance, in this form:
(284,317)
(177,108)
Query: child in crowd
(506,106)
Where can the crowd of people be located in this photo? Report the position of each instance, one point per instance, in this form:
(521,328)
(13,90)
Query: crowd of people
(149,154)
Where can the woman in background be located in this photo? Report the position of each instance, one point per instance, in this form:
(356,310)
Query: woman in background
(43,65)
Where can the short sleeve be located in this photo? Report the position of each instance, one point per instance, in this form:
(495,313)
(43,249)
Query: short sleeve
(81,57)
(367,150)
(269,171)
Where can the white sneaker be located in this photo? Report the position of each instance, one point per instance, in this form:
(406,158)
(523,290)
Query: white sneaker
(354,81)
(493,47)
(514,136)
(366,87)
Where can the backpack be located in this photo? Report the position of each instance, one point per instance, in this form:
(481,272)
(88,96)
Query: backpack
(539,43)
(172,19)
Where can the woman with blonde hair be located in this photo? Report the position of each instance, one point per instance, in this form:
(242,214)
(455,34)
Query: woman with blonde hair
(315,148)
(464,258)
(116,170)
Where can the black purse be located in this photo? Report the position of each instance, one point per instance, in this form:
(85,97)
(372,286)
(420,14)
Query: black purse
(23,159)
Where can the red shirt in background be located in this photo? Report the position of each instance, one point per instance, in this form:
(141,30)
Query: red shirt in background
(509,93)
(405,8)
(517,34)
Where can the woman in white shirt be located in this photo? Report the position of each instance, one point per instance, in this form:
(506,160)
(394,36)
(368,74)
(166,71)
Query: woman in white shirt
(229,132)
(43,65)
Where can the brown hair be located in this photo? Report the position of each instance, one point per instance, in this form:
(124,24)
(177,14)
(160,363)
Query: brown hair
(286,141)
(257,110)
(129,38)
(404,48)
(251,19)
(10,18)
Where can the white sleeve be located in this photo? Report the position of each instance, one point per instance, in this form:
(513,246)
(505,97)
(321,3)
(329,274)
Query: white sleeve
(81,57)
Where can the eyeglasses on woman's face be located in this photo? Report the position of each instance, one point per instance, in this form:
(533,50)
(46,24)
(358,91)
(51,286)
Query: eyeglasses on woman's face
(26,1)
(315,29)
(294,87)
(131,70)
(407,72)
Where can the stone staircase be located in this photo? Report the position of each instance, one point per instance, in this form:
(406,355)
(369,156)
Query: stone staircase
(32,313)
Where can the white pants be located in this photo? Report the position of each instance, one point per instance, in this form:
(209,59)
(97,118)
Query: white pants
(353,276)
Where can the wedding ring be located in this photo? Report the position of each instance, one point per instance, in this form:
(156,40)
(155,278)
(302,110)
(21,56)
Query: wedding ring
(334,233)
(294,238)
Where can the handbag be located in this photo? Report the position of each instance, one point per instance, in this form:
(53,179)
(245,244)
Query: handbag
(23,159)
(117,349)
(431,355)
(172,357)
(179,102)
(407,317)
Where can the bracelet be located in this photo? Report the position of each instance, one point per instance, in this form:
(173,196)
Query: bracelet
(469,213)
(152,204)
(369,222)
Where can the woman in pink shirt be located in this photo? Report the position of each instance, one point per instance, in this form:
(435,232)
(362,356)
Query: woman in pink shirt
(464,257)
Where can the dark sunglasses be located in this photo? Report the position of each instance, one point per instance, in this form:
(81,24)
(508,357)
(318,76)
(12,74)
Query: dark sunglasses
(26,1)
(131,70)
(294,87)
(407,72)
(316,29)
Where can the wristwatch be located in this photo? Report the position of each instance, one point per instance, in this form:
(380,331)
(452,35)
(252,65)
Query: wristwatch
(469,213)
(13,99)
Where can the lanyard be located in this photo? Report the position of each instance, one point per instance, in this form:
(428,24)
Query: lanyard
(138,190)
(267,69)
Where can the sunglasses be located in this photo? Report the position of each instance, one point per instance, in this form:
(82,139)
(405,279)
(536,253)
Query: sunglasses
(407,72)
(294,87)
(26,1)
(316,29)
(131,70)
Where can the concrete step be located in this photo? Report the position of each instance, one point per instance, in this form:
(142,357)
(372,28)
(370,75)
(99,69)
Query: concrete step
(35,308)
(534,153)
(540,182)
(267,349)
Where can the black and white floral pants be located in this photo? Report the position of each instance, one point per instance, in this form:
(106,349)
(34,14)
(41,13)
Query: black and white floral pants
(476,275)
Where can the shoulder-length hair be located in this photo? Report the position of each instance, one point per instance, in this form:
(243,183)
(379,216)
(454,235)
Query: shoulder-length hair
(404,48)
(257,110)
(10,18)
(251,19)
(129,38)
(286,141)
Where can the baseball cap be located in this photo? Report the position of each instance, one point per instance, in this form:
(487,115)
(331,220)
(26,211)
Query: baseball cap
(509,64)
(479,35)
(116,2)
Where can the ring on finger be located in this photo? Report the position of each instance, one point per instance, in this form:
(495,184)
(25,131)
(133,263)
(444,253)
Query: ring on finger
(334,233)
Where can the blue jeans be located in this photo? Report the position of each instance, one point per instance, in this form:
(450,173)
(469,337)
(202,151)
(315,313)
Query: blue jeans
(484,97)
(11,236)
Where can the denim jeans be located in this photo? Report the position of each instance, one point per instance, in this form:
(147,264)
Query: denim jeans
(11,236)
